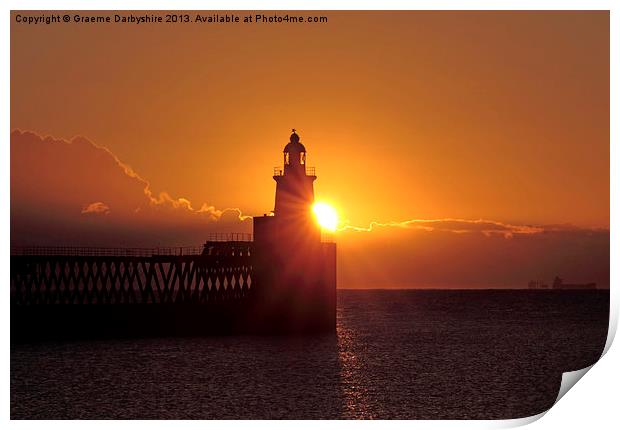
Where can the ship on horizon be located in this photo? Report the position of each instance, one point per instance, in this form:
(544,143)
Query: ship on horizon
(558,284)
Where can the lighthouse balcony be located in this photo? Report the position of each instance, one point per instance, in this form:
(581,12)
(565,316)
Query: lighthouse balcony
(279,171)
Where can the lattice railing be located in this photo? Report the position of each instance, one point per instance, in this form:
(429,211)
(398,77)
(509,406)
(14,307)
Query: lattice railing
(75,279)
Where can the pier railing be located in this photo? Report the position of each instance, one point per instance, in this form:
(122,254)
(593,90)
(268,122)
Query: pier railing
(229,237)
(105,252)
(91,251)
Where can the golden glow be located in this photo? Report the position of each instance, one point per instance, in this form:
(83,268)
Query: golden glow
(325,215)
(439,124)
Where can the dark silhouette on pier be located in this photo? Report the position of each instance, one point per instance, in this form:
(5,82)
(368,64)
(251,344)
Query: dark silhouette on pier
(282,281)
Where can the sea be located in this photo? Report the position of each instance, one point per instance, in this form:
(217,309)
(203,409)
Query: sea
(396,354)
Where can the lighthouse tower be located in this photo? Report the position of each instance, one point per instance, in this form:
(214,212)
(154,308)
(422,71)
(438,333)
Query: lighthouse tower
(294,272)
(294,189)
(295,194)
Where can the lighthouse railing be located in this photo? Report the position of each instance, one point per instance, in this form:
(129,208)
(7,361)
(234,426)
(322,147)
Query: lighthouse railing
(279,171)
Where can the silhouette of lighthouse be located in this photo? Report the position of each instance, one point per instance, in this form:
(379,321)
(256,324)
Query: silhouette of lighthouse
(294,189)
(295,193)
(295,270)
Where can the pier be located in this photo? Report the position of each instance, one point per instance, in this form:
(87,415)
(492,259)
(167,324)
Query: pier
(282,279)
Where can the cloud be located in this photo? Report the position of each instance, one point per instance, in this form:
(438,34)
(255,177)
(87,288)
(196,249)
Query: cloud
(461,253)
(96,208)
(58,185)
(454,225)
(469,254)
(163,198)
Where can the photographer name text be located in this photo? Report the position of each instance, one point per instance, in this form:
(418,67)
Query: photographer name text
(170,18)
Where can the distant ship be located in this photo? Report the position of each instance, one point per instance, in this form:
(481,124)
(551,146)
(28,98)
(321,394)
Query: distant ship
(537,285)
(558,284)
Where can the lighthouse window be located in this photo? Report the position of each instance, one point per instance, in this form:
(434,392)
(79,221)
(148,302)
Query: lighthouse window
(286,158)
(302,158)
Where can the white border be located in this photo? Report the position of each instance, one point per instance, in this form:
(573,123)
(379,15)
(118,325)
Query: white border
(592,404)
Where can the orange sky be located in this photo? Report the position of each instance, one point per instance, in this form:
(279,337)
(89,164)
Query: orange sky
(421,115)
(492,115)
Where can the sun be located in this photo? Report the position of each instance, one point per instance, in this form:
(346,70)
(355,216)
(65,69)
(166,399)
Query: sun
(326,216)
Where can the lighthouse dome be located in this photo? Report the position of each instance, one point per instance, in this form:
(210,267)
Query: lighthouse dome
(294,144)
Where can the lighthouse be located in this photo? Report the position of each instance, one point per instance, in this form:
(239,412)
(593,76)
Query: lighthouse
(294,182)
(295,272)
(295,194)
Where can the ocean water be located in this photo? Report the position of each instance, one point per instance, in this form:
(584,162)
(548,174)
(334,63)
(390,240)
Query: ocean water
(405,354)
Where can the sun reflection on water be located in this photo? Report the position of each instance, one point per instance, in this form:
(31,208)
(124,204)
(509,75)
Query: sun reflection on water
(354,385)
